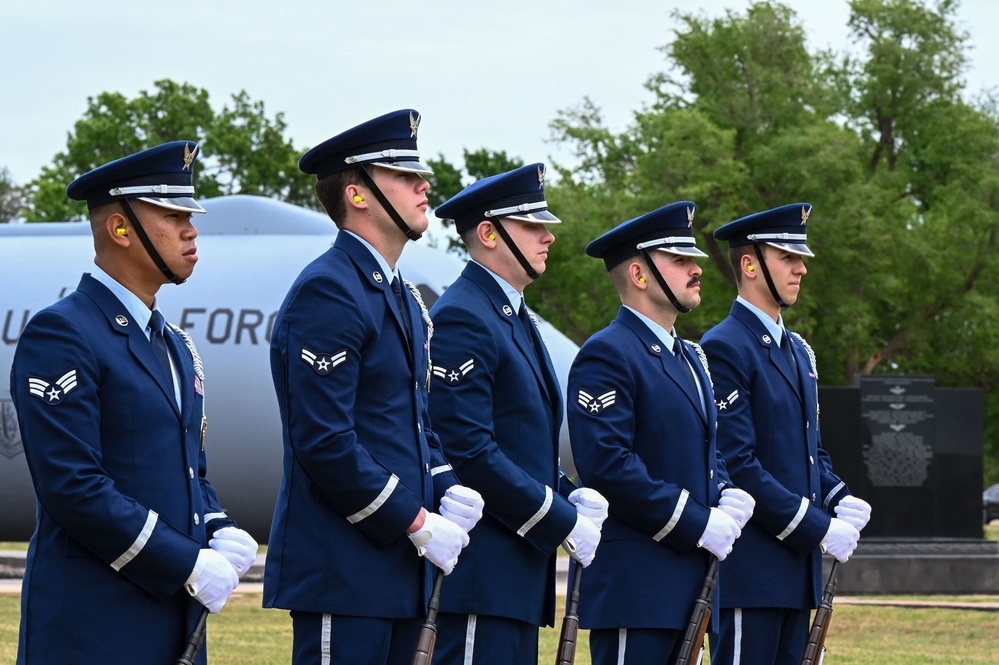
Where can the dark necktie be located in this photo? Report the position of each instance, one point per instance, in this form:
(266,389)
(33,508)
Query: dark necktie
(528,325)
(681,358)
(785,347)
(156,338)
(400,301)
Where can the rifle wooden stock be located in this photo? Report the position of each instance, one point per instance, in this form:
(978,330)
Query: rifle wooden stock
(820,624)
(693,638)
(566,654)
(195,640)
(426,638)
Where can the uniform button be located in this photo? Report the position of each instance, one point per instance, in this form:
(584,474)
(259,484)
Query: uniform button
(197,520)
(426,468)
(811,460)
(190,471)
(711,473)
(419,427)
(813,496)
(808,423)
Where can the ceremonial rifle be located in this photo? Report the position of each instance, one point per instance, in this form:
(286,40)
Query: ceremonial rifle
(566,654)
(693,639)
(816,645)
(426,638)
(195,640)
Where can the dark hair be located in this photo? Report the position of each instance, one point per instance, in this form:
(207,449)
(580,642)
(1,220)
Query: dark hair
(330,192)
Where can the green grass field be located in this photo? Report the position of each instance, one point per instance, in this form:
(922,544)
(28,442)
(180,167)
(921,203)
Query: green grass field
(245,634)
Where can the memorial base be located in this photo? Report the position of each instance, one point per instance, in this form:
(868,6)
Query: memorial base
(910,566)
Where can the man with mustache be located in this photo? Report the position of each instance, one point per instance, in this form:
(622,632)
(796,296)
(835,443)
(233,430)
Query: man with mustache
(766,386)
(642,425)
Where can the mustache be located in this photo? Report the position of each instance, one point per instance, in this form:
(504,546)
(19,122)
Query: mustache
(693,282)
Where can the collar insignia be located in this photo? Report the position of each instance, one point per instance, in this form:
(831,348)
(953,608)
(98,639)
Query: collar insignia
(805,212)
(52,393)
(596,405)
(541,177)
(766,339)
(657,348)
(414,124)
(453,375)
(121,320)
(378,276)
(690,217)
(508,310)
(323,363)
(189,155)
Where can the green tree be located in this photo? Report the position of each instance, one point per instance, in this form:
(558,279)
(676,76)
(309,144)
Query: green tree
(242,150)
(11,197)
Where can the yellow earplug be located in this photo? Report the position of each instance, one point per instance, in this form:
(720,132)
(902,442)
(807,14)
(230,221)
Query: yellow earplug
(642,280)
(358,198)
(121,231)
(492,236)
(750,268)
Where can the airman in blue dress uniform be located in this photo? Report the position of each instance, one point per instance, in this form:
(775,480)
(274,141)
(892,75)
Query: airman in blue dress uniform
(130,540)
(350,359)
(766,387)
(497,406)
(642,425)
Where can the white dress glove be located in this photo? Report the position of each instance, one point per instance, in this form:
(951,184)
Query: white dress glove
(840,540)
(237,546)
(855,511)
(463,506)
(591,504)
(738,504)
(440,540)
(212,580)
(582,541)
(720,533)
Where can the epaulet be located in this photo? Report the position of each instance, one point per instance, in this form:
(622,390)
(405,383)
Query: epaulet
(199,368)
(703,358)
(423,308)
(810,352)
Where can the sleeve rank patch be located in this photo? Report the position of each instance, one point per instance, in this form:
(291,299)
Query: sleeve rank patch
(52,393)
(596,405)
(323,363)
(454,375)
(726,402)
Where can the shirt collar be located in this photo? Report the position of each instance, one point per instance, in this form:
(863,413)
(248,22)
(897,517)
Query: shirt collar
(511,293)
(382,263)
(140,313)
(776,328)
(665,336)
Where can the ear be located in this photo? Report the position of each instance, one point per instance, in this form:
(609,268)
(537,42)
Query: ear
(118,229)
(486,233)
(749,266)
(636,272)
(355,197)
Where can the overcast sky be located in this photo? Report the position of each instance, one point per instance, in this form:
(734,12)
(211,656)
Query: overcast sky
(482,74)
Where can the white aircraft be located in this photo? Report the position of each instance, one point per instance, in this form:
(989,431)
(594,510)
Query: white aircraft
(252,249)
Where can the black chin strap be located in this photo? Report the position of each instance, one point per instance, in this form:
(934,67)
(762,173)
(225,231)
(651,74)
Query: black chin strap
(403,226)
(766,275)
(662,282)
(147,243)
(524,263)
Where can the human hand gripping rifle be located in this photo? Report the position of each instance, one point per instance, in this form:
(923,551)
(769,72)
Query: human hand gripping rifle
(693,639)
(566,654)
(816,645)
(426,638)
(195,640)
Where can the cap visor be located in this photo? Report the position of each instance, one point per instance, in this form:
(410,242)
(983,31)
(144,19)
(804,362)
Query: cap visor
(683,250)
(182,204)
(406,167)
(793,247)
(537,217)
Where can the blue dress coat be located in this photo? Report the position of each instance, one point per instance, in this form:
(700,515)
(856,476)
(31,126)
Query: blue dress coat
(497,406)
(644,438)
(360,458)
(768,432)
(123,503)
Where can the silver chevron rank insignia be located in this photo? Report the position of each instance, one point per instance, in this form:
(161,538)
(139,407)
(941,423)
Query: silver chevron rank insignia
(726,402)
(323,363)
(52,393)
(596,405)
(454,375)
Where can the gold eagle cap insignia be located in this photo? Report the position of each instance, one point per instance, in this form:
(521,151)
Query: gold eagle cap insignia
(690,217)
(541,177)
(189,155)
(805,212)
(414,124)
